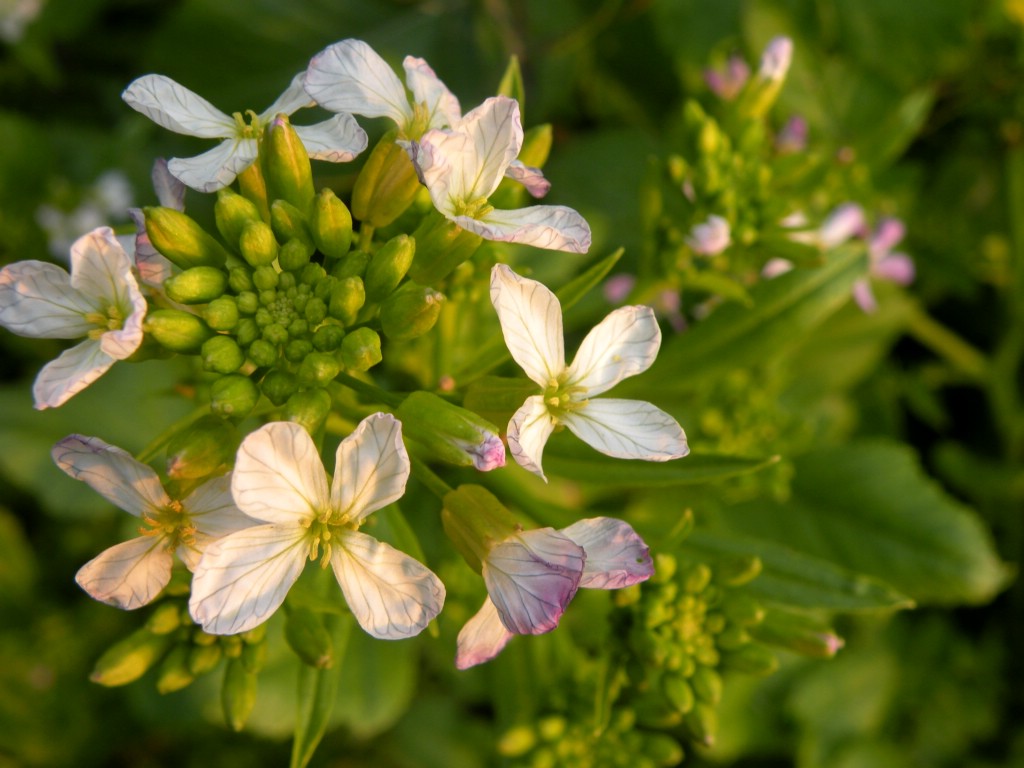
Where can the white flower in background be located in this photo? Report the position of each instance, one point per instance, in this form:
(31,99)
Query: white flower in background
(100,301)
(15,16)
(624,344)
(883,264)
(775,59)
(105,201)
(462,167)
(711,237)
(614,557)
(280,481)
(178,109)
(131,574)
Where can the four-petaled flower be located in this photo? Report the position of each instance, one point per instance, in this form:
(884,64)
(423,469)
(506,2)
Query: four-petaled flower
(178,109)
(280,481)
(463,165)
(624,344)
(99,300)
(614,556)
(883,263)
(131,574)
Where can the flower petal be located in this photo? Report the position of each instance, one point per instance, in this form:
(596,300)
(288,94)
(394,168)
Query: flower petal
(128,575)
(496,136)
(531,322)
(112,472)
(351,77)
(102,269)
(37,301)
(442,105)
(169,190)
(482,638)
(530,177)
(864,296)
(624,344)
(433,156)
(337,140)
(212,511)
(554,227)
(244,577)
(74,370)
(371,468)
(895,267)
(293,99)
(528,433)
(391,595)
(216,168)
(176,108)
(616,555)
(531,577)
(278,476)
(628,429)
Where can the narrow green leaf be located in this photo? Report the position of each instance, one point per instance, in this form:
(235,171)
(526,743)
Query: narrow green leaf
(317,694)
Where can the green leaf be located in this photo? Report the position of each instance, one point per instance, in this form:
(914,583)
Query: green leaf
(317,694)
(793,578)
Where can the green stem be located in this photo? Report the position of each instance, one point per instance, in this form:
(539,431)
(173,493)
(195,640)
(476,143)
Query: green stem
(147,453)
(374,393)
(943,342)
(365,237)
(429,478)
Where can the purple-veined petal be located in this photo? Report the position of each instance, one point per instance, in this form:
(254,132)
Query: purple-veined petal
(531,322)
(176,108)
(242,578)
(531,577)
(864,296)
(616,555)
(73,370)
(432,156)
(442,106)
(482,638)
(337,140)
(100,268)
(530,177)
(128,575)
(278,476)
(214,515)
(37,301)
(554,227)
(391,595)
(216,168)
(624,344)
(293,99)
(351,77)
(628,429)
(112,472)
(496,136)
(895,267)
(152,266)
(170,192)
(528,433)
(371,468)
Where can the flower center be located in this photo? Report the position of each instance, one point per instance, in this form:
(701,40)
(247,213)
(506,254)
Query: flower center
(475,209)
(417,125)
(324,530)
(172,524)
(111,320)
(252,130)
(562,398)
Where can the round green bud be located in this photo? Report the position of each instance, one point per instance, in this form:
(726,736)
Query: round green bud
(702,723)
(286,282)
(707,684)
(262,353)
(221,354)
(388,266)
(265,278)
(196,285)
(263,317)
(331,225)
(268,297)
(248,302)
(298,328)
(312,274)
(328,338)
(173,673)
(177,330)
(323,288)
(221,314)
(231,213)
(315,311)
(308,637)
(308,408)
(203,658)
(181,240)
(293,256)
(278,386)
(441,246)
(347,298)
(240,279)
(289,223)
(297,349)
(233,396)
(254,656)
(165,619)
(204,448)
(257,244)
(751,659)
(275,333)
(410,311)
(130,658)
(246,332)
(318,368)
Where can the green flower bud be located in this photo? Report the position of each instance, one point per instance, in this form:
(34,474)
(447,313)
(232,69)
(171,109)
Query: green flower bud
(196,285)
(517,741)
(221,354)
(751,659)
(451,433)
(662,749)
(233,396)
(701,723)
(707,684)
(308,637)
(360,349)
(262,353)
(347,298)
(388,266)
(298,328)
(294,255)
(265,278)
(231,213)
(254,188)
(441,245)
(165,619)
(206,448)
(240,279)
(181,240)
(173,673)
(177,330)
(318,368)
(268,296)
(254,656)
(387,184)
(352,265)
(743,609)
(203,658)
(799,633)
(476,522)
(246,332)
(678,691)
(410,311)
(275,334)
(328,338)
(332,225)
(289,223)
(238,694)
(257,244)
(221,314)
(312,274)
(315,311)
(285,164)
(130,658)
(278,386)
(248,302)
(296,349)
(696,578)
(309,408)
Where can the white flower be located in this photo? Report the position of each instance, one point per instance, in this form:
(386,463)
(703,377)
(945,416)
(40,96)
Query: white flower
(131,574)
(624,344)
(178,109)
(280,481)
(711,237)
(775,59)
(100,300)
(461,168)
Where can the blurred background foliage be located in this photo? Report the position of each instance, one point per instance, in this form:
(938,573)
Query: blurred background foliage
(901,433)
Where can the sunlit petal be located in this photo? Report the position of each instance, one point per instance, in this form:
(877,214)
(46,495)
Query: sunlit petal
(442,106)
(482,638)
(528,433)
(616,555)
(496,136)
(216,168)
(530,177)
(176,108)
(351,77)
(74,370)
(112,472)
(628,429)
(37,301)
(554,227)
(213,513)
(337,140)
(293,99)
(624,344)
(371,468)
(128,575)
(531,322)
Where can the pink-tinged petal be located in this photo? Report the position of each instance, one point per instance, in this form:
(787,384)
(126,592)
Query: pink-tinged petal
(391,595)
(74,370)
(628,429)
(864,296)
(489,454)
(895,267)
(152,266)
(624,344)
(212,511)
(442,106)
(776,59)
(530,177)
(711,237)
(496,136)
(528,433)
(128,575)
(121,344)
(337,140)
(216,168)
(279,477)
(616,555)
(844,222)
(37,301)
(531,577)
(531,322)
(244,577)
(351,77)
(775,267)
(170,192)
(435,156)
(176,108)
(292,100)
(113,473)
(482,638)
(371,468)
(554,227)
(887,234)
